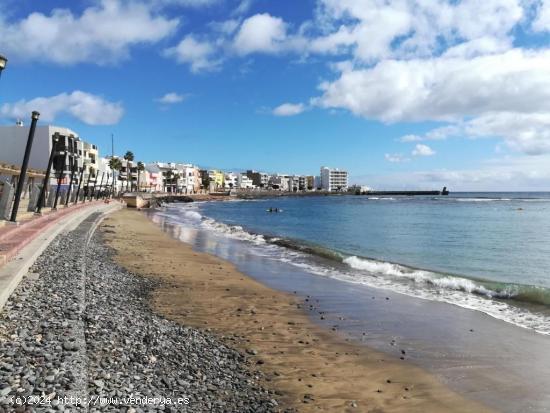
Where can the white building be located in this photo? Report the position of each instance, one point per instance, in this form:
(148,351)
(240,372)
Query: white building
(244,182)
(106,177)
(231,181)
(334,179)
(70,151)
(188,178)
(279,182)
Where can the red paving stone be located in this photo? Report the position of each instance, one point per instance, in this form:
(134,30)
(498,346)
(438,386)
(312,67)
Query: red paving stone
(13,238)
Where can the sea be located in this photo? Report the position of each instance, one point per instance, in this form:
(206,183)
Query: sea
(488,252)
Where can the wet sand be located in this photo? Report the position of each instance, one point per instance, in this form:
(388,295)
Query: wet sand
(310,368)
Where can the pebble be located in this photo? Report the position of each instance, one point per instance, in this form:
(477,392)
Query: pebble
(75,332)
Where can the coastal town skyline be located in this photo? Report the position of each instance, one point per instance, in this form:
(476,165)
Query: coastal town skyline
(229,84)
(275,206)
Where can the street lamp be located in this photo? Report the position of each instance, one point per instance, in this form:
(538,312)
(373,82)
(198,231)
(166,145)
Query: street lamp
(42,196)
(80,182)
(24,166)
(60,178)
(87,191)
(100,185)
(73,171)
(3,63)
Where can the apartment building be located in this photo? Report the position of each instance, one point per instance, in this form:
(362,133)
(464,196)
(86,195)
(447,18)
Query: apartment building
(154,180)
(106,177)
(90,156)
(217,178)
(178,177)
(231,181)
(310,183)
(334,179)
(279,182)
(259,179)
(190,178)
(244,182)
(70,151)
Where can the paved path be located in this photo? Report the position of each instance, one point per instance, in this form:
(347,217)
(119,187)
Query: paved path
(13,237)
(20,245)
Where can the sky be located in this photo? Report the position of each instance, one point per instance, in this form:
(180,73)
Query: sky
(401,93)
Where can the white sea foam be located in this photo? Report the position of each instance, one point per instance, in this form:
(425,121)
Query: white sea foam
(232,231)
(194,215)
(378,274)
(419,276)
(481,199)
(453,290)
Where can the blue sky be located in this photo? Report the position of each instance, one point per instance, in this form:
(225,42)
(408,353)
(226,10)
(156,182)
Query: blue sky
(401,93)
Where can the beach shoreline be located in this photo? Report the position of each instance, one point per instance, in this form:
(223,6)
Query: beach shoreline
(309,367)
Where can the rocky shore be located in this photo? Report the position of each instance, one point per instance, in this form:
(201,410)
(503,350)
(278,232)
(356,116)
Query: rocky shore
(78,335)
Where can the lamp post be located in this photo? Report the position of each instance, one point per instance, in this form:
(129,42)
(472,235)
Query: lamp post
(73,170)
(106,187)
(20,184)
(112,193)
(100,186)
(87,192)
(59,179)
(80,182)
(3,63)
(93,189)
(42,196)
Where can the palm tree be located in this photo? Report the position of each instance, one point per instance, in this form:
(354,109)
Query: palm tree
(129,157)
(140,168)
(116,165)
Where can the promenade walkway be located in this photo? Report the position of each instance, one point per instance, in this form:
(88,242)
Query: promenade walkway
(22,243)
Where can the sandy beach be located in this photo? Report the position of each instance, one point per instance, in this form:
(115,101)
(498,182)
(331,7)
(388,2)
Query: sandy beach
(308,367)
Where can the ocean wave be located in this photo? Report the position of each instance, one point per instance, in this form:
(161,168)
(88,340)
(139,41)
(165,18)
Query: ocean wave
(523,293)
(418,276)
(495,199)
(482,199)
(493,298)
(194,215)
(232,231)
(307,248)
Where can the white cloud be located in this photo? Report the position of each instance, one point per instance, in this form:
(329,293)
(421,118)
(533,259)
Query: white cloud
(444,88)
(289,109)
(88,108)
(261,33)
(373,30)
(243,7)
(436,134)
(396,157)
(171,98)
(504,95)
(528,133)
(524,132)
(102,34)
(188,3)
(226,27)
(411,138)
(200,55)
(542,20)
(422,150)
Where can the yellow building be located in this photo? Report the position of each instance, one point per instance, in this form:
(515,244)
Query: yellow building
(217,177)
